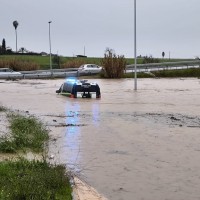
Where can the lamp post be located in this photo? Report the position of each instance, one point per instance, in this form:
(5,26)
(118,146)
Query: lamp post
(50,61)
(135,45)
(15,24)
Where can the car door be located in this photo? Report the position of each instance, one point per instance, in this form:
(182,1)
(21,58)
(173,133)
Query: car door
(89,68)
(95,69)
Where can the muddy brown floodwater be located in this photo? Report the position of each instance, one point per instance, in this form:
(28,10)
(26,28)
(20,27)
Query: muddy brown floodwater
(128,145)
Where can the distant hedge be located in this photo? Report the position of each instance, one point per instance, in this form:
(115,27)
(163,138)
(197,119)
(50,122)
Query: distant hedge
(191,72)
(19,65)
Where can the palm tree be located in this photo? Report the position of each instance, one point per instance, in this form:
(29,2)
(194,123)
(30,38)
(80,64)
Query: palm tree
(15,24)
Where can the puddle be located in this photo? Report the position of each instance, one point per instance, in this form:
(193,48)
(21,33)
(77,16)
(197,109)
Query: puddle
(127,145)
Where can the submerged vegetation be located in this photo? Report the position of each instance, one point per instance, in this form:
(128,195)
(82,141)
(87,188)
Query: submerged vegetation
(29,179)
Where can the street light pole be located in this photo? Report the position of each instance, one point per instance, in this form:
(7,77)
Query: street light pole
(135,45)
(50,61)
(16,39)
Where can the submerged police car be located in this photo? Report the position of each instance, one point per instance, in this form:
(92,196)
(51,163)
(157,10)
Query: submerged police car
(71,88)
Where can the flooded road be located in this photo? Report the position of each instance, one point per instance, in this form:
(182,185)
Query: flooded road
(128,145)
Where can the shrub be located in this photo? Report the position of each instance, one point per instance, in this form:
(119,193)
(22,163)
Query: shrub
(150,59)
(114,65)
(73,63)
(19,65)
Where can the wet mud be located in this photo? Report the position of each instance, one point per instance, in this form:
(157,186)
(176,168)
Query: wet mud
(127,145)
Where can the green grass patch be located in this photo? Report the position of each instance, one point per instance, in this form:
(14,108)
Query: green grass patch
(26,133)
(192,72)
(21,179)
(36,180)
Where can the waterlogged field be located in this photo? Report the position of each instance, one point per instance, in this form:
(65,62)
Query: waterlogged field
(128,145)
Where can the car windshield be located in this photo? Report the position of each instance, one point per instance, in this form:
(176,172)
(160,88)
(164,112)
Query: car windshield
(6,70)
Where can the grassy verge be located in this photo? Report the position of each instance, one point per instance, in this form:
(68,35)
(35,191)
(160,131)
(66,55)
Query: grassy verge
(192,72)
(23,179)
(26,133)
(36,180)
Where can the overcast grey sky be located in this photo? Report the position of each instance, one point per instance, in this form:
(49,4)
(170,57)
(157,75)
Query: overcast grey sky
(162,25)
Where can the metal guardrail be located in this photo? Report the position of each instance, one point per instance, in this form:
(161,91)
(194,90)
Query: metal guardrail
(47,71)
(41,75)
(165,64)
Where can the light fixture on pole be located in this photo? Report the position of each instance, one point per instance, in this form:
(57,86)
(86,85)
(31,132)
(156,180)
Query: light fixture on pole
(50,61)
(15,24)
(135,45)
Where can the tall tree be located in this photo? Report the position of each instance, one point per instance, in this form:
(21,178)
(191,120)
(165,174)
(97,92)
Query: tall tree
(3,46)
(163,54)
(15,24)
